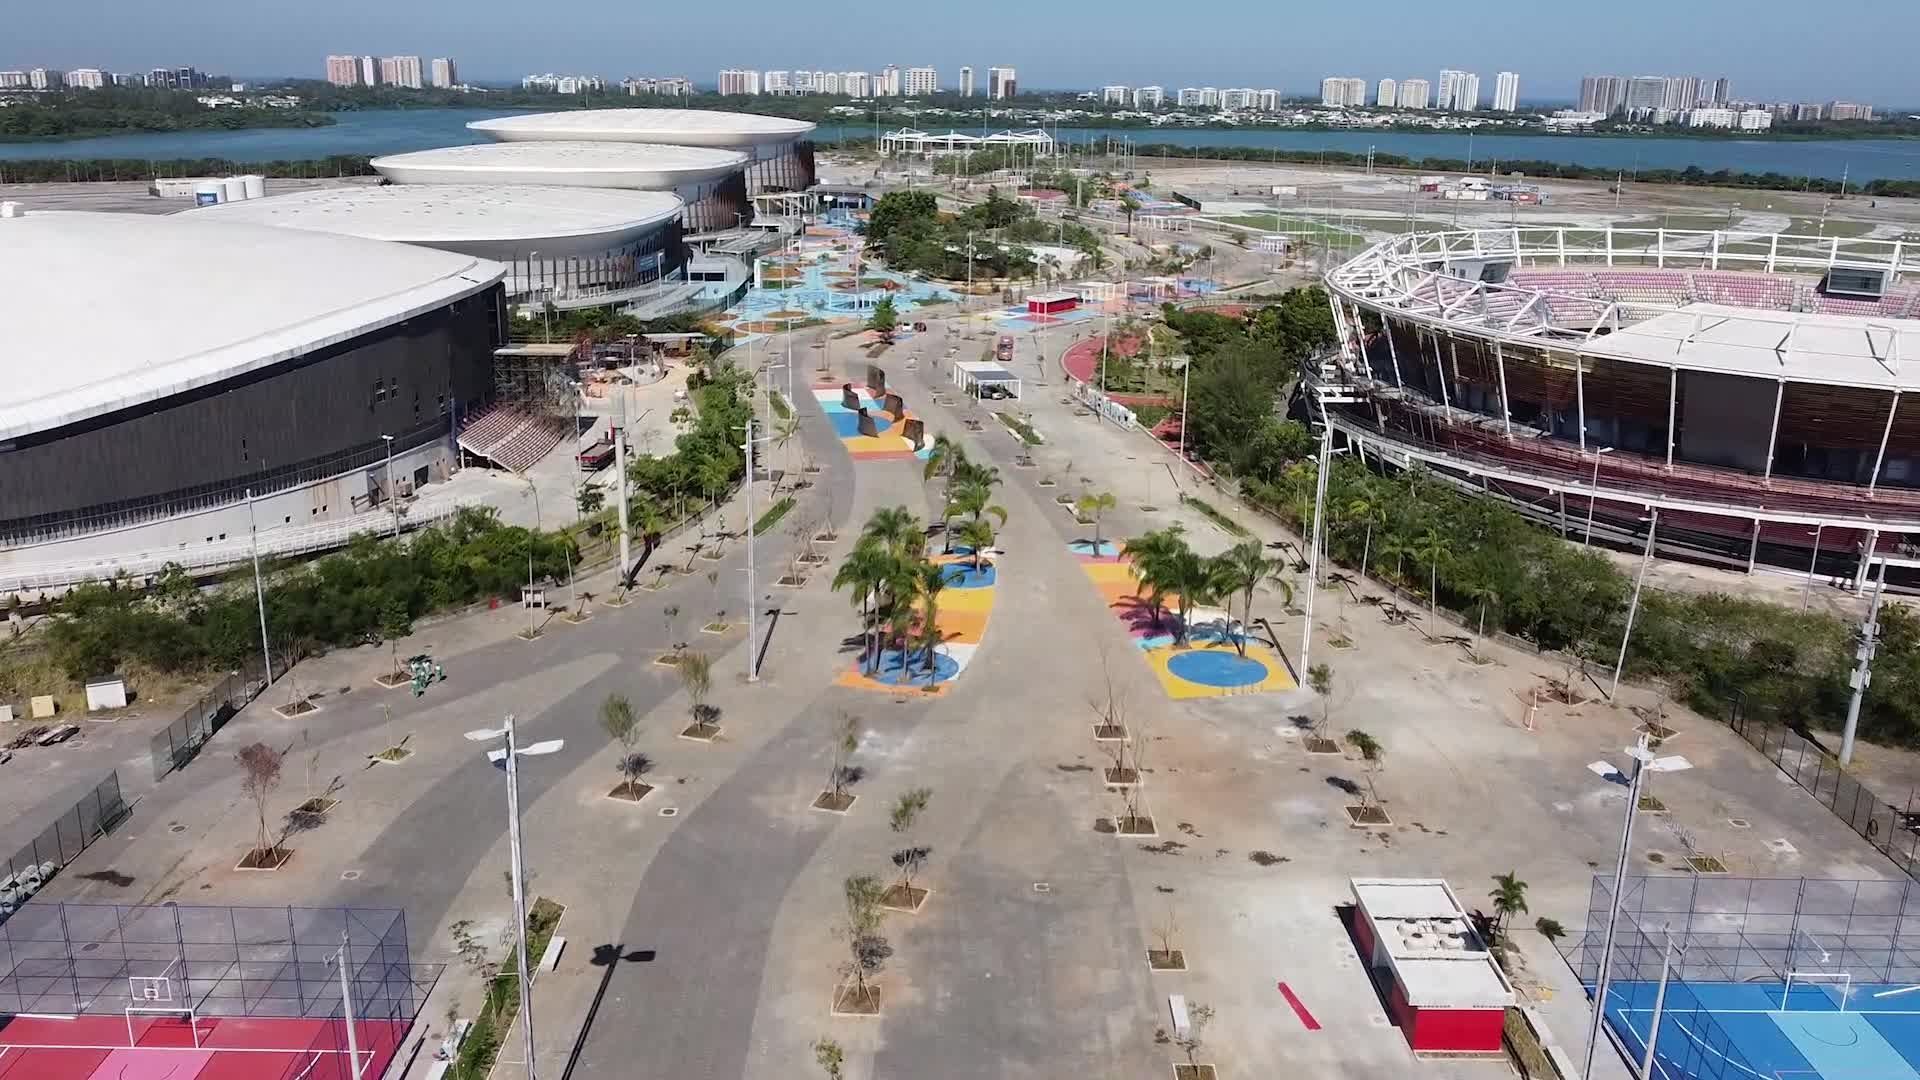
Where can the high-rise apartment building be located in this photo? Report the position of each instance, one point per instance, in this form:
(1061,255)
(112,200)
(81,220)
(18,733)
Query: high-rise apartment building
(1149,97)
(1115,95)
(1188,97)
(887,83)
(966,81)
(445,73)
(13,80)
(46,79)
(1002,83)
(1339,92)
(1269,101)
(777,82)
(1239,99)
(1847,110)
(88,79)
(1722,92)
(369,71)
(1386,94)
(857,84)
(401,71)
(735,81)
(1646,92)
(1415,93)
(920,81)
(1603,94)
(343,70)
(1459,91)
(1506,92)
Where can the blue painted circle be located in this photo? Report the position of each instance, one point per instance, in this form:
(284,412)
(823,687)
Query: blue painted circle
(962,575)
(1219,668)
(915,673)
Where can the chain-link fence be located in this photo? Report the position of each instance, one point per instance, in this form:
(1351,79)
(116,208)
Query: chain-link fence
(93,816)
(1892,828)
(178,742)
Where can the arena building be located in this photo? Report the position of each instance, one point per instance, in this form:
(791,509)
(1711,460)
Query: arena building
(780,151)
(574,247)
(712,182)
(1745,396)
(158,368)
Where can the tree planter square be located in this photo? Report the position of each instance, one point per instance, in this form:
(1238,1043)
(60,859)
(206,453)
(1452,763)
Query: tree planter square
(791,581)
(1136,826)
(848,1001)
(1318,745)
(1706,864)
(316,806)
(1651,804)
(1195,1072)
(616,602)
(268,861)
(831,803)
(1120,778)
(668,659)
(630,791)
(392,755)
(1109,733)
(826,537)
(577,618)
(303,707)
(907,898)
(527,635)
(716,628)
(394,680)
(700,733)
(1175,960)
(1366,817)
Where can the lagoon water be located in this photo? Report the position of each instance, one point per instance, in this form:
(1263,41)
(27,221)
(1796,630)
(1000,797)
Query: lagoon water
(390,131)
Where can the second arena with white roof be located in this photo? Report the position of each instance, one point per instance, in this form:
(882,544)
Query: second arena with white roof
(561,243)
(710,181)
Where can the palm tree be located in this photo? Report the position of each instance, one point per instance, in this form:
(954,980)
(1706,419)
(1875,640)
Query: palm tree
(1365,510)
(974,498)
(977,534)
(1241,569)
(863,570)
(1148,553)
(785,431)
(898,529)
(929,582)
(1431,547)
(1096,503)
(947,457)
(1509,897)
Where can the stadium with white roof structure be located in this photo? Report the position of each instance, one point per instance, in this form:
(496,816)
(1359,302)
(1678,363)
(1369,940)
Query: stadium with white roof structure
(573,247)
(1750,399)
(712,182)
(267,361)
(780,152)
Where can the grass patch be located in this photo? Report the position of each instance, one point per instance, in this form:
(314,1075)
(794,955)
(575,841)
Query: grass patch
(773,515)
(1208,511)
(1020,428)
(502,1003)
(779,405)
(1150,416)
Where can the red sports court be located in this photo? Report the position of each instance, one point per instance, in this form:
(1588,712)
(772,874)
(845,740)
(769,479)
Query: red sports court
(205,1048)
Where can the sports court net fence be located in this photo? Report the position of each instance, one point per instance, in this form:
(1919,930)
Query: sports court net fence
(30,867)
(106,959)
(1738,930)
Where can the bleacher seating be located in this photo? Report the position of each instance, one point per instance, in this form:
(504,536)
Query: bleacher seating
(512,438)
(1767,292)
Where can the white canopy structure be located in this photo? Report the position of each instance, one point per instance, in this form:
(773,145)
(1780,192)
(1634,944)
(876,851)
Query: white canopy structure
(974,376)
(924,144)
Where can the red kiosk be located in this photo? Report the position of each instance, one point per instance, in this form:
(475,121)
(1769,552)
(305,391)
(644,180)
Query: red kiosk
(1446,992)
(1052,303)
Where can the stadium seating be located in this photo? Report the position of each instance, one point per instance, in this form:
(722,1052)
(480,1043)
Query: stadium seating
(511,438)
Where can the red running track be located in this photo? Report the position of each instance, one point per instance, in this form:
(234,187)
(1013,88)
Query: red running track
(231,1048)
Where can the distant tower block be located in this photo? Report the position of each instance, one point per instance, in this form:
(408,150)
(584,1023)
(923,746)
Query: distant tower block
(867,426)
(895,407)
(848,399)
(916,433)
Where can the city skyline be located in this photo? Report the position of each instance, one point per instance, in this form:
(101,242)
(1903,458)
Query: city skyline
(1291,50)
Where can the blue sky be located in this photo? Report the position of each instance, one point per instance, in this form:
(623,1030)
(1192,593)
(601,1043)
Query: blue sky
(1770,48)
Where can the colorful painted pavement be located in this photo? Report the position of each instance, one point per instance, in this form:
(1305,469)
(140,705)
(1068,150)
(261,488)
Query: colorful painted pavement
(964,607)
(886,444)
(1208,665)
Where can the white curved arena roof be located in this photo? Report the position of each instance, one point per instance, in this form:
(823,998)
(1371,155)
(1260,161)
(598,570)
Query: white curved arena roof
(675,127)
(488,221)
(108,311)
(639,166)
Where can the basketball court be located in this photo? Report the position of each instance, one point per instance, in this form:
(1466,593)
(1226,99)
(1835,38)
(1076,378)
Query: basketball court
(175,992)
(1814,1027)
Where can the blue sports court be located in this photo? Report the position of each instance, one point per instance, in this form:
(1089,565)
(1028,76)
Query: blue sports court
(1825,1027)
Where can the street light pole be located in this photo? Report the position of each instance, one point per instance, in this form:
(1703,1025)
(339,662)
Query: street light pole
(1863,672)
(753,600)
(346,1006)
(1633,607)
(393,506)
(1186,379)
(259,590)
(1313,544)
(1593,492)
(509,758)
(620,486)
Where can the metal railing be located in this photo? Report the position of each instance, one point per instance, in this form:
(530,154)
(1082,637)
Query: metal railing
(1893,829)
(297,540)
(27,870)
